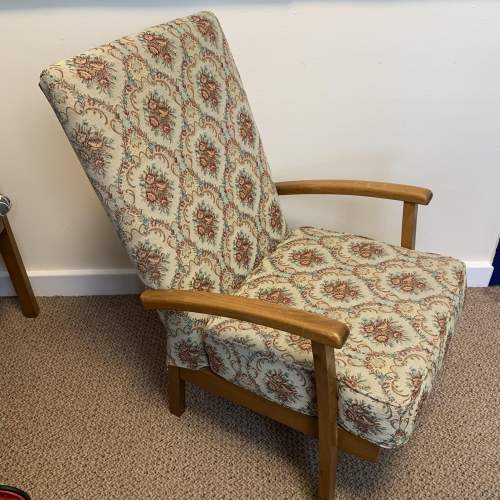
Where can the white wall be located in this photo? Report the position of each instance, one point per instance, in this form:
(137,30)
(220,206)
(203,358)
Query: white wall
(402,91)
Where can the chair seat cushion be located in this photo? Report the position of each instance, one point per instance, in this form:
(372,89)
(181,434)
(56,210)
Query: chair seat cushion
(401,307)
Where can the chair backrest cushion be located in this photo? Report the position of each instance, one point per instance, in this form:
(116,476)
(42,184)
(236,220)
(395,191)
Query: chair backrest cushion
(162,126)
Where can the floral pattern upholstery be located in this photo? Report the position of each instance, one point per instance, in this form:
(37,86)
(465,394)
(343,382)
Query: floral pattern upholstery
(162,126)
(401,307)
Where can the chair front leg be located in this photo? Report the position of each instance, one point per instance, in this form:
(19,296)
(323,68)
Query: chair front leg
(176,391)
(326,393)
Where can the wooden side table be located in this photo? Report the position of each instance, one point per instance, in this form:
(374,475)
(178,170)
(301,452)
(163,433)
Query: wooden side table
(16,270)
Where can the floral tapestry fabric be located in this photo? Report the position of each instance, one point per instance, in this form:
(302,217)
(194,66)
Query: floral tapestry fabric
(162,126)
(401,307)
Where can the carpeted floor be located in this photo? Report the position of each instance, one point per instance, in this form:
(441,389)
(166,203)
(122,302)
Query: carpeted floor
(83,416)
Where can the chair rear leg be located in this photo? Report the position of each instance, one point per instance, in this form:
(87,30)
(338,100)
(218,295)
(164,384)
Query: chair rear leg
(176,391)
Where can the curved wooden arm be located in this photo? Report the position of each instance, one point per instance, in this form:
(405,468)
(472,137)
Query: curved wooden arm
(386,190)
(410,195)
(314,327)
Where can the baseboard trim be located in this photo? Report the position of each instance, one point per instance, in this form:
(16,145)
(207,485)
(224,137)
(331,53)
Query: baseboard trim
(70,282)
(478,273)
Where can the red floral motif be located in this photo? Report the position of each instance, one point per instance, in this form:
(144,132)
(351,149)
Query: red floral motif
(367,250)
(205,223)
(341,290)
(276,295)
(209,89)
(276,217)
(408,282)
(94,70)
(460,278)
(383,330)
(278,384)
(238,280)
(242,247)
(160,115)
(202,282)
(208,156)
(92,147)
(442,324)
(416,380)
(300,343)
(307,257)
(246,189)
(247,132)
(150,262)
(189,353)
(217,365)
(159,46)
(362,417)
(353,381)
(157,190)
(205,27)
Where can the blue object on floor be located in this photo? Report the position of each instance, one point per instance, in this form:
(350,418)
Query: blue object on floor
(495,277)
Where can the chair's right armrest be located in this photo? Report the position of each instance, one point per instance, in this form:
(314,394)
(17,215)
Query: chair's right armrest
(314,327)
(372,189)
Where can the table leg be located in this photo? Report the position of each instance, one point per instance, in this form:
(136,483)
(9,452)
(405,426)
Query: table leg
(17,271)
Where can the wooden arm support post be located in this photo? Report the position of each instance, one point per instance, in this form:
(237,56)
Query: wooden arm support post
(16,270)
(410,195)
(409,225)
(325,335)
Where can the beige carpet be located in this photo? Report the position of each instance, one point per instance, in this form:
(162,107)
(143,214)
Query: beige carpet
(83,416)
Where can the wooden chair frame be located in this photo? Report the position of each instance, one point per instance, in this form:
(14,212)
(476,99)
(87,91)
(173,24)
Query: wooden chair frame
(16,270)
(325,335)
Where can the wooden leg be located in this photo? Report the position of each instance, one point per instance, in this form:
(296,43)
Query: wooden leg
(17,271)
(209,381)
(326,393)
(176,391)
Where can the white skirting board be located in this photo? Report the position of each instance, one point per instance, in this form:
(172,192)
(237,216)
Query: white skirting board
(71,282)
(125,281)
(478,273)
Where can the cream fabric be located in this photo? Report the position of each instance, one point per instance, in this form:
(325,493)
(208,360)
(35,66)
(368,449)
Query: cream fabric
(401,307)
(162,126)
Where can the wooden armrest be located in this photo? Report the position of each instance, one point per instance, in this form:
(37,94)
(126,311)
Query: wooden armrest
(402,192)
(314,327)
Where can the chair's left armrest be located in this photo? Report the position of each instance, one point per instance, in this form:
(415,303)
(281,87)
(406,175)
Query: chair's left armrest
(315,327)
(411,196)
(324,333)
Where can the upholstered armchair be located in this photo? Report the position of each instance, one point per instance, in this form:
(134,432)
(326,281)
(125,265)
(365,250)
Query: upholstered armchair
(333,334)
